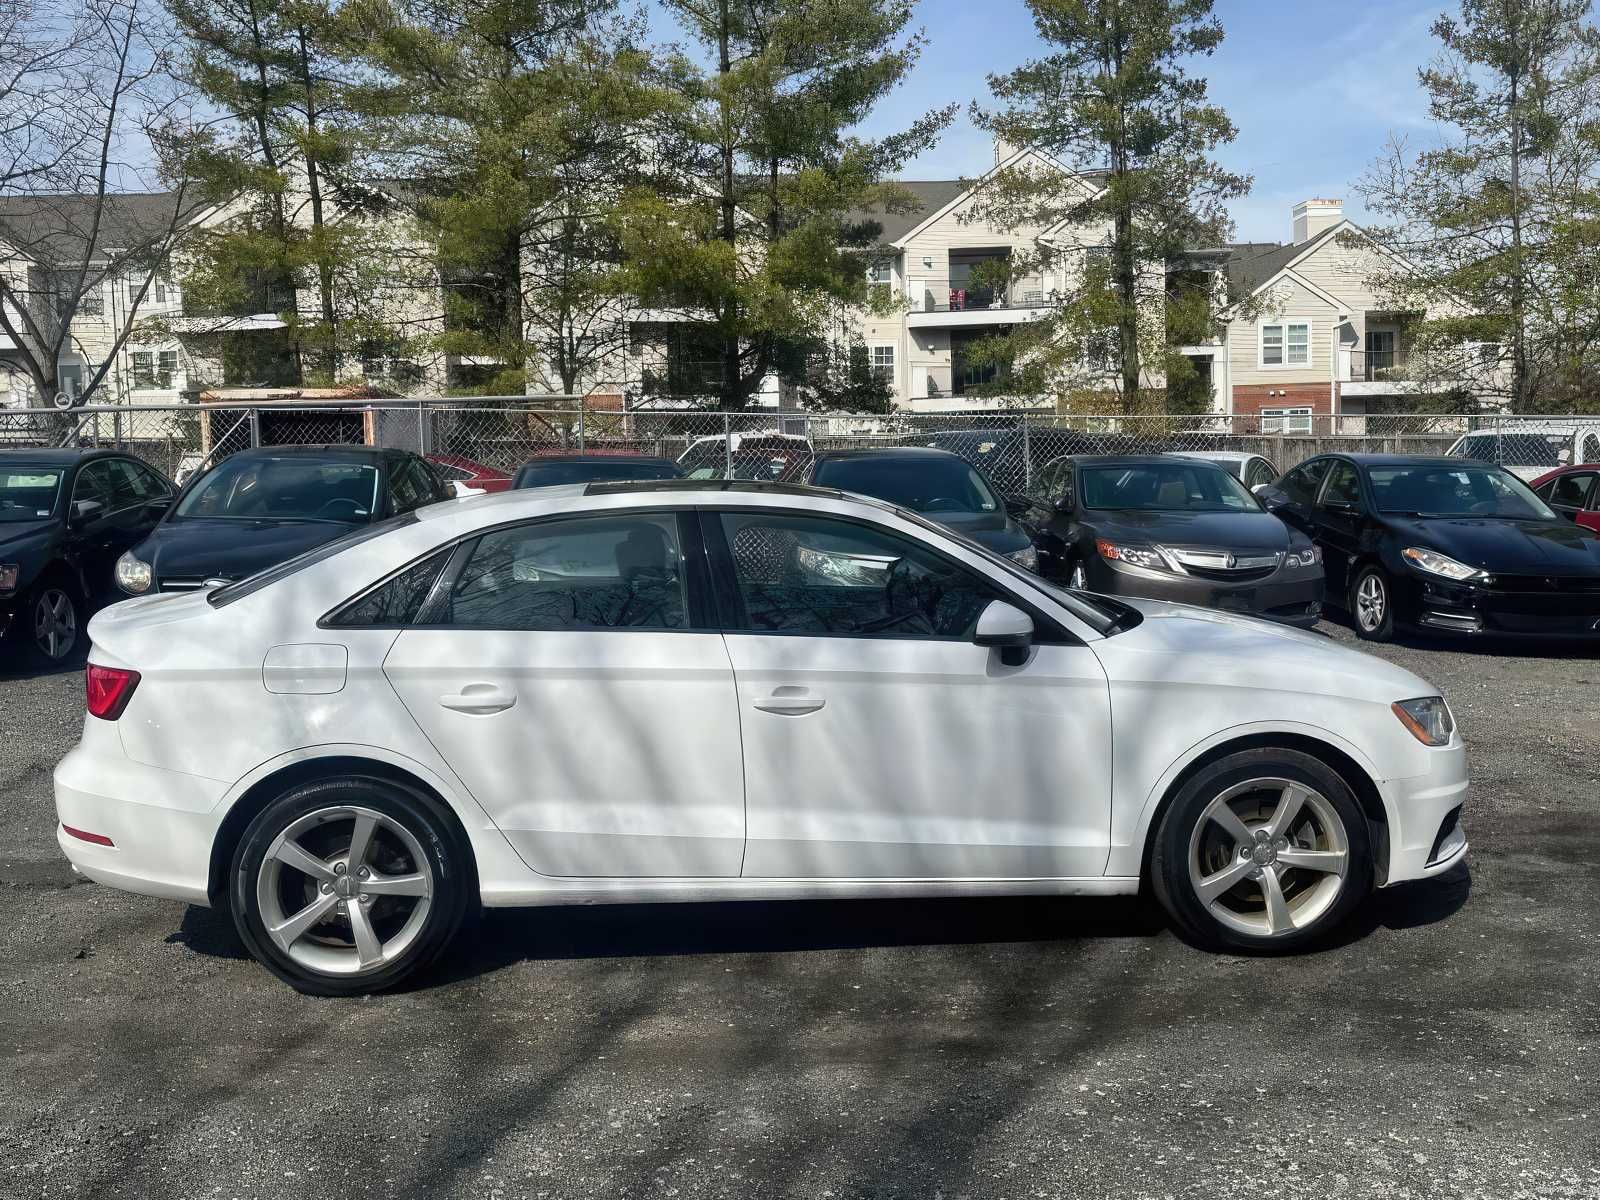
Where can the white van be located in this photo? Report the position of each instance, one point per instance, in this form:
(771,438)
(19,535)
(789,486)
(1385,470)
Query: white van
(1531,448)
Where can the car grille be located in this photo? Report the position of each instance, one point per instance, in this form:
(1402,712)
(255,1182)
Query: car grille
(1547,585)
(1227,566)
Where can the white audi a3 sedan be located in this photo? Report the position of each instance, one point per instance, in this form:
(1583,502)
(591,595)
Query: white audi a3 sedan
(694,690)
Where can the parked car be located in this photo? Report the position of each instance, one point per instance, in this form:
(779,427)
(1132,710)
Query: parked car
(1171,528)
(548,470)
(936,483)
(1010,455)
(1574,492)
(830,697)
(1529,449)
(1249,469)
(65,516)
(455,469)
(256,508)
(767,456)
(1447,545)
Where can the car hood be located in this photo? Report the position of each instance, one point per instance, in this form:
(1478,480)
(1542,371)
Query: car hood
(229,549)
(1225,530)
(1506,547)
(1181,643)
(992,530)
(16,534)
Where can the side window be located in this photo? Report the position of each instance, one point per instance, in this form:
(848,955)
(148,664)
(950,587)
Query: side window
(1570,491)
(94,483)
(1301,484)
(398,601)
(814,575)
(132,484)
(150,485)
(623,572)
(1259,471)
(1344,486)
(1591,448)
(410,484)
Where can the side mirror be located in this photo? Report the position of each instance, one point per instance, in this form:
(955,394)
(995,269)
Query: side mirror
(84,511)
(1018,506)
(1271,498)
(1260,489)
(1064,505)
(1007,627)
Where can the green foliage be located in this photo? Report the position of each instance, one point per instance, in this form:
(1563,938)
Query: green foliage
(842,379)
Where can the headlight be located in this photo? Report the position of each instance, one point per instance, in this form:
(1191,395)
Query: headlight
(1308,557)
(1151,557)
(1435,563)
(1428,719)
(134,576)
(8,577)
(1027,558)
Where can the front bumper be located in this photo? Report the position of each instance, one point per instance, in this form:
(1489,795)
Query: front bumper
(1290,596)
(1440,606)
(1426,833)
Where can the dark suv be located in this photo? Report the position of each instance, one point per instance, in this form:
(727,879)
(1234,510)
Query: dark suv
(260,507)
(65,516)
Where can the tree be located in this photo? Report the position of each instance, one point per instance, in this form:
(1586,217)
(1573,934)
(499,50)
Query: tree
(1113,101)
(99,189)
(750,231)
(1497,230)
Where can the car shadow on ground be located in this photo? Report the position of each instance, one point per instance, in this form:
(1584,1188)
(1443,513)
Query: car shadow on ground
(504,937)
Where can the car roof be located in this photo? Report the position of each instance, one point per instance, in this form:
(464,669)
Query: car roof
(333,450)
(866,452)
(604,460)
(56,456)
(1405,460)
(1216,455)
(1128,460)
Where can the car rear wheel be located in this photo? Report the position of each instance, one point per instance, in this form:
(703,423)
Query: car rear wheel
(54,621)
(1372,604)
(1264,849)
(349,886)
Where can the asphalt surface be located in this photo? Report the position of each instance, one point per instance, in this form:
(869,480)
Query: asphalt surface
(1449,1046)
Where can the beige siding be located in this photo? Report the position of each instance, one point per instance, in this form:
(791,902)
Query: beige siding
(1291,302)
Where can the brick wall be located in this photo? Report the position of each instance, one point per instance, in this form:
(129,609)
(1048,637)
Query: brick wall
(1252,398)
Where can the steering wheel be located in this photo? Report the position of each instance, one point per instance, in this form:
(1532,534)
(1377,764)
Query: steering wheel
(944,504)
(339,502)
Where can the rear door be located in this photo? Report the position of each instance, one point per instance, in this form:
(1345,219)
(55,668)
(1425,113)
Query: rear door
(1572,495)
(563,672)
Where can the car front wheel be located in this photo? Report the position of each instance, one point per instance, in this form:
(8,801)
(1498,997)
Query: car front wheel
(1372,604)
(349,886)
(54,619)
(1264,849)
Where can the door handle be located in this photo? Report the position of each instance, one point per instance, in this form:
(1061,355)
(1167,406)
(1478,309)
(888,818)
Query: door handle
(790,701)
(479,698)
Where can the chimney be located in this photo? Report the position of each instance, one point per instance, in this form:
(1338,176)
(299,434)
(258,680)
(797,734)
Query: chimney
(1312,217)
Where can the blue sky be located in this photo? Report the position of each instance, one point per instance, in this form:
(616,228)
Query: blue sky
(1315,89)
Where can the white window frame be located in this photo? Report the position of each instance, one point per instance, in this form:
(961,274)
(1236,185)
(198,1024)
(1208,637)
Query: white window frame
(882,369)
(881,271)
(1283,327)
(1296,419)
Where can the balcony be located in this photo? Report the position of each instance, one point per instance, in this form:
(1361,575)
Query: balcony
(965,307)
(1376,372)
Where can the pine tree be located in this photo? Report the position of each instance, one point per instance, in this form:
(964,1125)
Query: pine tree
(1113,100)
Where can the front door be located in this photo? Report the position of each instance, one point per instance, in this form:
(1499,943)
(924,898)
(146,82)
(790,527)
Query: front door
(562,679)
(1338,518)
(879,742)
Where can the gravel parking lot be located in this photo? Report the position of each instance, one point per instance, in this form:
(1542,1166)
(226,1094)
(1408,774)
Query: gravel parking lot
(1018,1048)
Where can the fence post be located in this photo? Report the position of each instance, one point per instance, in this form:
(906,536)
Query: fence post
(727,446)
(582,434)
(1027,458)
(422,439)
(255,428)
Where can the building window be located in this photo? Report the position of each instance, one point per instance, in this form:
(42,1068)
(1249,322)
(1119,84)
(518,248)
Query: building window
(1286,344)
(883,362)
(878,272)
(154,369)
(1286,420)
(159,292)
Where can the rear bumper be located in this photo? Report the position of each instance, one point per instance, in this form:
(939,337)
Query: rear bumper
(1426,832)
(161,824)
(1290,597)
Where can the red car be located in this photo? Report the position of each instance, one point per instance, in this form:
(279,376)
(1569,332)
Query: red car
(1574,492)
(453,468)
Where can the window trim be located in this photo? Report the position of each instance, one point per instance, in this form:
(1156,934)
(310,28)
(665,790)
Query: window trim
(1283,325)
(1048,631)
(1321,500)
(1287,414)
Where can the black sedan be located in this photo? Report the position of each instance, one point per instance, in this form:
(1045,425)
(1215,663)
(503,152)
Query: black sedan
(258,508)
(1447,545)
(549,470)
(936,483)
(65,516)
(1177,529)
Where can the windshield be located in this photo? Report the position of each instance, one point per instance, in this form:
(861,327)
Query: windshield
(28,493)
(925,485)
(1175,487)
(1464,491)
(538,474)
(1519,449)
(297,488)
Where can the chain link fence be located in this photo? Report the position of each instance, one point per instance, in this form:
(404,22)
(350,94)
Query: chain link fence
(496,435)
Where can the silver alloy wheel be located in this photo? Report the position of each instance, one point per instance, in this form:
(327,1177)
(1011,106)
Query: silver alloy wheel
(353,919)
(1268,857)
(1079,579)
(55,623)
(1372,601)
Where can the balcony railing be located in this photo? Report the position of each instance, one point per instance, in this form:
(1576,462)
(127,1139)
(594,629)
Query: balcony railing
(984,300)
(1378,366)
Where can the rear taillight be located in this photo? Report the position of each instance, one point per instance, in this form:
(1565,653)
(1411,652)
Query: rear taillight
(108,690)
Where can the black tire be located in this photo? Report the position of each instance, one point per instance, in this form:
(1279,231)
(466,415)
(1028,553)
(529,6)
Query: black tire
(1371,576)
(1176,839)
(401,811)
(51,600)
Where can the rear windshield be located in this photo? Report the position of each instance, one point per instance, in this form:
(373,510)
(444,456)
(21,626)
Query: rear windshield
(292,488)
(28,493)
(925,485)
(1168,487)
(1469,490)
(1518,449)
(538,474)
